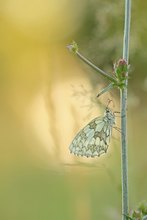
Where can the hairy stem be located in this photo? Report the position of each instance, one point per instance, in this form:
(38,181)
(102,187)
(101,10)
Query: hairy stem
(123,101)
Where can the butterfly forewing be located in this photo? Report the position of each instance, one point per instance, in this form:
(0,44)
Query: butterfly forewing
(93,140)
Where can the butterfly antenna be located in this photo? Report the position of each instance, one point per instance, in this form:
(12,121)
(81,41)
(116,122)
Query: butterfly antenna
(109,101)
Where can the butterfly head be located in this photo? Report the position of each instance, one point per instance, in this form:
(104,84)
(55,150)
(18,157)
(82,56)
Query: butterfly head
(109,116)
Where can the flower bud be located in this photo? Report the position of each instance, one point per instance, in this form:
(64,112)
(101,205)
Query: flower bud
(121,68)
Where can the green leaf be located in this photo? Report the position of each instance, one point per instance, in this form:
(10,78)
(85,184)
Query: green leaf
(129,217)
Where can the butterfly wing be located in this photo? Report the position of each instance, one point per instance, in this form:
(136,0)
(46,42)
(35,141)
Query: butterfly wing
(93,139)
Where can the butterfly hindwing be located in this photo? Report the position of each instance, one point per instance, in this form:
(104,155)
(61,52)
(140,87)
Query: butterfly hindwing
(90,141)
(93,140)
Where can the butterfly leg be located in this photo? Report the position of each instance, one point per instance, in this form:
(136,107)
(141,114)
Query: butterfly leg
(117,129)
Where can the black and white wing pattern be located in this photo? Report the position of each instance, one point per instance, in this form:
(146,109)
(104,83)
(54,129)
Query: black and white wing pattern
(93,140)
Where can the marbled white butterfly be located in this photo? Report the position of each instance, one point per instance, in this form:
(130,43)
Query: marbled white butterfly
(93,140)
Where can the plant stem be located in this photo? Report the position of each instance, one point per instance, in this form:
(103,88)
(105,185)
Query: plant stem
(106,75)
(123,101)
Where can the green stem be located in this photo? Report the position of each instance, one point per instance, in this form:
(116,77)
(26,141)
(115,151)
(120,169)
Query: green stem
(106,89)
(106,75)
(123,101)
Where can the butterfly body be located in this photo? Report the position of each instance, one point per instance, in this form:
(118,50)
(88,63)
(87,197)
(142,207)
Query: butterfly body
(93,140)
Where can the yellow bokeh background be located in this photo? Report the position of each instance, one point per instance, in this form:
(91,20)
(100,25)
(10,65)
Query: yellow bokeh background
(47,95)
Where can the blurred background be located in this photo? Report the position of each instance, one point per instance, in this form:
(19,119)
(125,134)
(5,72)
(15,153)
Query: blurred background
(47,95)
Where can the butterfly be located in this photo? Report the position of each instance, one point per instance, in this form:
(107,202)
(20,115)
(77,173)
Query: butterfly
(93,140)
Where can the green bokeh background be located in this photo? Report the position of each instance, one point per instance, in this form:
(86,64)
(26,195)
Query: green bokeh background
(40,180)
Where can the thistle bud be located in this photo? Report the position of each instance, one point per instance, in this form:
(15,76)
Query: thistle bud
(120,69)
